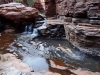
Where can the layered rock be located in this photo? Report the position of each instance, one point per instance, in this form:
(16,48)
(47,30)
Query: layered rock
(75,8)
(5,1)
(84,36)
(17,14)
(82,22)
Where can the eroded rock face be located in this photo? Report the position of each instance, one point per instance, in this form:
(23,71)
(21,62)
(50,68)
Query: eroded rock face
(17,12)
(85,37)
(79,9)
(82,22)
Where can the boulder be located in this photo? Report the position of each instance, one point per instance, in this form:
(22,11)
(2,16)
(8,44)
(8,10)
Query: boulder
(16,16)
(9,61)
(17,12)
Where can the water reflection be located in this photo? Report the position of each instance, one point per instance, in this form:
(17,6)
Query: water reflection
(80,60)
(36,52)
(37,63)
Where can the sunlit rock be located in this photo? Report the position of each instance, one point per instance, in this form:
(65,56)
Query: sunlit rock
(17,11)
(84,72)
(9,61)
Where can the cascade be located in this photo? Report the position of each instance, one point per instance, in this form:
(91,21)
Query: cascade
(35,32)
(30,29)
(43,25)
(26,29)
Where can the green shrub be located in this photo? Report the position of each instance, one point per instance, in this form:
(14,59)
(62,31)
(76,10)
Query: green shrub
(18,1)
(30,2)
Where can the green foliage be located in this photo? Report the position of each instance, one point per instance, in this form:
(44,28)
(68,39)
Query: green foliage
(18,1)
(30,2)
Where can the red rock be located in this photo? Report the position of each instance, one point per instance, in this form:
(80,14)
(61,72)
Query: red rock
(38,5)
(50,8)
(17,11)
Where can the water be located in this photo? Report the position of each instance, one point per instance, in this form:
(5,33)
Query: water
(30,30)
(37,63)
(41,54)
(78,60)
(43,26)
(35,32)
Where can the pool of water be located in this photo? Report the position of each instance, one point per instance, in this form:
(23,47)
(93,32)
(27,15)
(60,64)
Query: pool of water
(80,59)
(42,54)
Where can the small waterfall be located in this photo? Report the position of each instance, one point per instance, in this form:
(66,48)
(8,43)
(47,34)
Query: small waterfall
(30,29)
(26,28)
(43,25)
(35,32)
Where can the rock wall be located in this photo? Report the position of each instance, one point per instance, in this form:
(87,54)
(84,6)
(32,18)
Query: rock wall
(38,5)
(5,1)
(82,23)
(50,8)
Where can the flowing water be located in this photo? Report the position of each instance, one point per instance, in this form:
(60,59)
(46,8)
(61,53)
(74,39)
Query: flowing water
(43,54)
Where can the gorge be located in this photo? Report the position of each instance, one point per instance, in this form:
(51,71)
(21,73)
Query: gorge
(49,37)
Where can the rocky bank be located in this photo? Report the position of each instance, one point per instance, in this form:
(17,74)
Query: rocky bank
(10,65)
(81,22)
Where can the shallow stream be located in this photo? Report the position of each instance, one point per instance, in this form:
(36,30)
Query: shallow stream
(42,54)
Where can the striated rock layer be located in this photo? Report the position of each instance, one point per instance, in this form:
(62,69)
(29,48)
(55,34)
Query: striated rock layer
(17,12)
(82,23)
